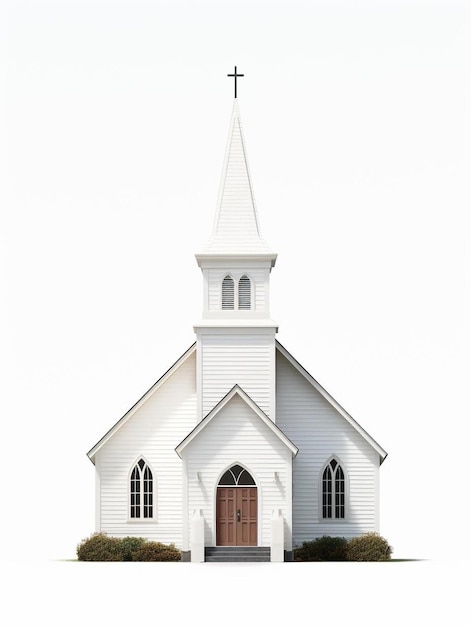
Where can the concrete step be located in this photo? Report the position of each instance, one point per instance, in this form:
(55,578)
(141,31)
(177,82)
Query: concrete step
(237,554)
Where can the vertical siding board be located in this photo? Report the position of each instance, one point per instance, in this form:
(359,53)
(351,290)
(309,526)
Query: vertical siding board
(154,431)
(319,431)
(98,492)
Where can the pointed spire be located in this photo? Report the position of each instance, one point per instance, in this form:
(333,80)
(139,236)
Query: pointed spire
(236,228)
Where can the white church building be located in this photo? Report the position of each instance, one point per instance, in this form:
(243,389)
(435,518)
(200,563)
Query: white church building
(236,451)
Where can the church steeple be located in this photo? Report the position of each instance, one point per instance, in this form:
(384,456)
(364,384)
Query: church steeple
(236,227)
(236,262)
(236,336)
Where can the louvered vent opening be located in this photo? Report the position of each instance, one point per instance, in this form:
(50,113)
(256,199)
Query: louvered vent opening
(244,293)
(227,293)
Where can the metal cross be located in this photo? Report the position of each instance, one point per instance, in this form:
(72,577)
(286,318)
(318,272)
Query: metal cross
(235,75)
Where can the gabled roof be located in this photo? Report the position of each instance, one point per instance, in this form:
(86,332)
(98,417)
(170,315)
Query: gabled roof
(382,453)
(236,228)
(236,390)
(139,403)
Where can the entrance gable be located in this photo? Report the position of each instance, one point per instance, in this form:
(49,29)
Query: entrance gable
(246,407)
(237,435)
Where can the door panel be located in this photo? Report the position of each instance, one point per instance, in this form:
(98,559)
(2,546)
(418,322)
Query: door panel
(246,528)
(236,516)
(226,516)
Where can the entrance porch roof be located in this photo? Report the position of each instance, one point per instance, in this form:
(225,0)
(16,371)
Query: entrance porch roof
(236,390)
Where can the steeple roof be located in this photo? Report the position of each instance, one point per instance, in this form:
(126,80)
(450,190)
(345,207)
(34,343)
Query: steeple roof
(236,228)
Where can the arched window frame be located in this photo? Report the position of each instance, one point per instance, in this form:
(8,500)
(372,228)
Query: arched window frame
(227,293)
(233,295)
(236,474)
(144,509)
(336,517)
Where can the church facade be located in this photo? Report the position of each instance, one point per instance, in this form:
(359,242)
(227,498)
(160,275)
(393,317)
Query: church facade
(236,446)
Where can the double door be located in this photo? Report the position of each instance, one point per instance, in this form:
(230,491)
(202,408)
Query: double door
(236,516)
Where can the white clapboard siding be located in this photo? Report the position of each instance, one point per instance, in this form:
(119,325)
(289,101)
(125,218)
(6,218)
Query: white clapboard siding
(244,360)
(237,435)
(153,432)
(320,431)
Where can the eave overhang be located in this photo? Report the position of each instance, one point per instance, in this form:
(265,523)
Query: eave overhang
(326,395)
(91,454)
(233,260)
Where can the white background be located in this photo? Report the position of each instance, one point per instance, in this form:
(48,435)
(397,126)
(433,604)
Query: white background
(114,117)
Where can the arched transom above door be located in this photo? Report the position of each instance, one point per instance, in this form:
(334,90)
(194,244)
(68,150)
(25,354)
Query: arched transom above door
(236,476)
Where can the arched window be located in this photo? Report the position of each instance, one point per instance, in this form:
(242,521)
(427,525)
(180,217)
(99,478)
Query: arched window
(227,300)
(333,491)
(236,476)
(141,491)
(244,293)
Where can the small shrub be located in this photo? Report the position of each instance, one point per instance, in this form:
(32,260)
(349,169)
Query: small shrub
(322,549)
(368,547)
(100,547)
(155,551)
(130,545)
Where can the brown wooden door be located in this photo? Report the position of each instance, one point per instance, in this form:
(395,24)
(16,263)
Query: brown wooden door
(236,516)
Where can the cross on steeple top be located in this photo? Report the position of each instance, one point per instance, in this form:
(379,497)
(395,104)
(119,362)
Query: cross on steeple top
(235,76)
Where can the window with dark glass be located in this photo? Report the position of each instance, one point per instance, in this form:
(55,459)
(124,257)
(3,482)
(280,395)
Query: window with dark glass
(236,476)
(135,493)
(333,491)
(141,491)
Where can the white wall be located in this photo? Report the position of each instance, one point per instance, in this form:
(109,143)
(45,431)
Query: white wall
(320,431)
(243,359)
(152,432)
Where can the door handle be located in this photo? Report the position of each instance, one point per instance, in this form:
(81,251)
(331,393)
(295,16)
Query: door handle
(238,515)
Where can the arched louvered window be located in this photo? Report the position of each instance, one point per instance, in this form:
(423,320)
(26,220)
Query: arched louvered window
(141,491)
(227,293)
(333,491)
(245,290)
